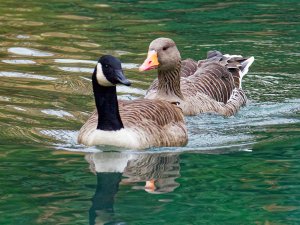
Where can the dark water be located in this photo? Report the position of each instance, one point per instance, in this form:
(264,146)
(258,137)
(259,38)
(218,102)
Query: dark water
(238,170)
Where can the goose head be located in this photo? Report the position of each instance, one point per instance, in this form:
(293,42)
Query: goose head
(163,55)
(108,72)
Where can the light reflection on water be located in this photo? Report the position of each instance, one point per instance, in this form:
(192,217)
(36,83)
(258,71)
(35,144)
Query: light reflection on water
(25,75)
(29,52)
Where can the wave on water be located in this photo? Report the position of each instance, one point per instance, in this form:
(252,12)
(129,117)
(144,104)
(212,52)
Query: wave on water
(29,52)
(209,133)
(25,75)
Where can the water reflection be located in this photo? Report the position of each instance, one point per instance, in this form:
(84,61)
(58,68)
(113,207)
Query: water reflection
(18,61)
(156,173)
(29,52)
(25,75)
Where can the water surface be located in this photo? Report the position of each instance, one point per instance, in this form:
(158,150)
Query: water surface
(238,170)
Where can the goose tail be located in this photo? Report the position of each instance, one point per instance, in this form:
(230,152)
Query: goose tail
(245,66)
(238,66)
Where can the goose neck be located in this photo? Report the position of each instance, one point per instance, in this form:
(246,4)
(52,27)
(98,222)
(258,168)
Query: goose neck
(107,106)
(169,82)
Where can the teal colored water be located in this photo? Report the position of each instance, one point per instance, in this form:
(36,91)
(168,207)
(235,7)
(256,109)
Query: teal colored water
(238,170)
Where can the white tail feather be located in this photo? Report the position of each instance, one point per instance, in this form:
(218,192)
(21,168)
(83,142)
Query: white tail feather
(245,68)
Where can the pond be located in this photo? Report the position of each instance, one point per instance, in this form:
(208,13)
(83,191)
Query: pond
(238,170)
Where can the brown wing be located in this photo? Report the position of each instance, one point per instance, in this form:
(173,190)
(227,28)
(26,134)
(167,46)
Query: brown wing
(158,112)
(161,123)
(233,64)
(188,67)
(214,80)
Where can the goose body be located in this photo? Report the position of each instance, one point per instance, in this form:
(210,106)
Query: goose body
(210,85)
(136,124)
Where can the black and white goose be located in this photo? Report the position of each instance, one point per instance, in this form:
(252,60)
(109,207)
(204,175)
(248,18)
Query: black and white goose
(211,85)
(136,124)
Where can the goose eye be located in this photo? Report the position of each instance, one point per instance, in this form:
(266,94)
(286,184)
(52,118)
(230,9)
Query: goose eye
(106,66)
(165,48)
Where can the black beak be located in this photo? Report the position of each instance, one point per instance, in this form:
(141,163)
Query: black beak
(121,78)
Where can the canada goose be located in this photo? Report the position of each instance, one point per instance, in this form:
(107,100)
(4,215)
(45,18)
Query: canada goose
(134,124)
(211,85)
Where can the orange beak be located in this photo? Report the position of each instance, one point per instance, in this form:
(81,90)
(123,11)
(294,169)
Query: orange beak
(151,62)
(150,185)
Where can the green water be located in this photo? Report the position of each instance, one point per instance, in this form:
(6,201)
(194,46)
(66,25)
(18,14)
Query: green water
(239,170)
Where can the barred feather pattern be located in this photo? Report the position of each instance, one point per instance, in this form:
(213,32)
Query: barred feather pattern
(169,82)
(188,67)
(153,166)
(152,123)
(212,88)
(232,63)
(163,169)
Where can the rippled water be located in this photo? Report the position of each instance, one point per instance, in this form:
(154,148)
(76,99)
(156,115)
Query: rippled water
(238,170)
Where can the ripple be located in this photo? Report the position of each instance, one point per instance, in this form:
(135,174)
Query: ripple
(58,113)
(67,49)
(69,139)
(127,97)
(18,61)
(23,36)
(268,111)
(130,65)
(19,108)
(75,61)
(31,23)
(92,62)
(87,44)
(213,134)
(28,52)
(61,35)
(62,135)
(4,98)
(102,5)
(74,17)
(76,69)
(130,90)
(25,75)
(280,208)
(120,52)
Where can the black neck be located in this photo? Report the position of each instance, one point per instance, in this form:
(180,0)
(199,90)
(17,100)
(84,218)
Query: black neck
(107,106)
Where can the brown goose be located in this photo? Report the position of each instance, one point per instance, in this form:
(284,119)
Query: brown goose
(211,85)
(134,124)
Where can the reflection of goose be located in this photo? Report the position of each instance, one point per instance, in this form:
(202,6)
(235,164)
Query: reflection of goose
(108,167)
(102,208)
(138,124)
(212,85)
(158,171)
